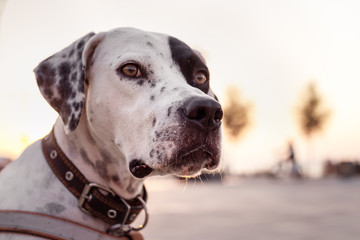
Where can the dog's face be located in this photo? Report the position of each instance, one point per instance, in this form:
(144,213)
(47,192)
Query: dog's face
(147,94)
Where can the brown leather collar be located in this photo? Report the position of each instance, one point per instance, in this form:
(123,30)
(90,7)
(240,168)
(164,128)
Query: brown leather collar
(93,198)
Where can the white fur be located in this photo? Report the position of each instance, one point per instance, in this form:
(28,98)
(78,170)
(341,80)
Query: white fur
(117,123)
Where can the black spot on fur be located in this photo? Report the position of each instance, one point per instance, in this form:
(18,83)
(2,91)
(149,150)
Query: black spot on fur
(45,74)
(73,122)
(130,189)
(153,85)
(56,103)
(54,208)
(115,179)
(152,97)
(65,88)
(74,76)
(162,89)
(48,92)
(71,53)
(169,111)
(73,94)
(64,69)
(140,82)
(85,157)
(81,87)
(105,156)
(77,105)
(148,43)
(101,168)
(152,153)
(79,55)
(80,45)
(154,122)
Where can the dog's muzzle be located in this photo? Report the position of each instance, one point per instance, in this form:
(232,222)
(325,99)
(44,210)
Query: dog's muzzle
(196,138)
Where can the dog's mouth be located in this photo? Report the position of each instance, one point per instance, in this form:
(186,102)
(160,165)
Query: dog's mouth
(139,169)
(186,162)
(191,161)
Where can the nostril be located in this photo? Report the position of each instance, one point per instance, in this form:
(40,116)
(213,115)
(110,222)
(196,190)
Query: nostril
(196,114)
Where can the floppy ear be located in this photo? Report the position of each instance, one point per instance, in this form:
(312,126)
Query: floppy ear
(61,81)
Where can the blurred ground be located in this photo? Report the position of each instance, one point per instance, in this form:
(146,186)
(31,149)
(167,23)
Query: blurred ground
(253,209)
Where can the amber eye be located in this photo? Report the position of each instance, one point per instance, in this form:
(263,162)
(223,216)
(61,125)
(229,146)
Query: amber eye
(200,78)
(131,70)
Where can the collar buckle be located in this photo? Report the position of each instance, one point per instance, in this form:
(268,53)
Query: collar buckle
(86,196)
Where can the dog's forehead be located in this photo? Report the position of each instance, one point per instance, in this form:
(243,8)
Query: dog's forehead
(135,41)
(129,40)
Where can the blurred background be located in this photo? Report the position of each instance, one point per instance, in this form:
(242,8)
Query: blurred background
(287,74)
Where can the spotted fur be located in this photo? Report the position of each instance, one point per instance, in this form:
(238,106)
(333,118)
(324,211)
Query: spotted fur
(61,81)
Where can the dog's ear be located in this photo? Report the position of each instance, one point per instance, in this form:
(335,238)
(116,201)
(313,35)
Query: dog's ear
(61,81)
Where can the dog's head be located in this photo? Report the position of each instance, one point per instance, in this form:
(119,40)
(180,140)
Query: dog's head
(146,94)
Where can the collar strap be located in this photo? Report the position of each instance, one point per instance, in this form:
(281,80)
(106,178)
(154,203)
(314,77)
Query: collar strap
(94,199)
(51,227)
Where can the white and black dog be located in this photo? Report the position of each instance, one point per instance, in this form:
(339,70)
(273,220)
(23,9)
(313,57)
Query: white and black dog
(132,104)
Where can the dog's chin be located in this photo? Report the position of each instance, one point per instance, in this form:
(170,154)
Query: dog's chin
(190,163)
(184,162)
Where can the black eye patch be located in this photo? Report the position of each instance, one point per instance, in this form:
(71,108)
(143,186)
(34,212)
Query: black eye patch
(189,62)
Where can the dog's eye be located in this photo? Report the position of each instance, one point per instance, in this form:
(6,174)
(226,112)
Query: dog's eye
(131,70)
(200,78)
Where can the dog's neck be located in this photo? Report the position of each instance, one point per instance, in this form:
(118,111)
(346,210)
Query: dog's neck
(100,162)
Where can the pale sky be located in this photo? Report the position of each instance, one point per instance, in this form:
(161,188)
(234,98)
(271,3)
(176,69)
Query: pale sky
(270,49)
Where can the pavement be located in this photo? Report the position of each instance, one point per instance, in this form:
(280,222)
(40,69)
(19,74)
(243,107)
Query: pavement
(254,209)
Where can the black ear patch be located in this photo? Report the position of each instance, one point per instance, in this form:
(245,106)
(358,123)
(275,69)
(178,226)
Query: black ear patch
(61,82)
(189,62)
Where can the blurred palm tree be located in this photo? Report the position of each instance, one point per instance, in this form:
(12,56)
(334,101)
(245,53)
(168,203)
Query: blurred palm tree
(312,117)
(312,113)
(236,113)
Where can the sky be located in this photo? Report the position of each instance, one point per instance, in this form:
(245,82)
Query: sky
(269,49)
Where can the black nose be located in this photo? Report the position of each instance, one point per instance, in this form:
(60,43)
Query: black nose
(203,111)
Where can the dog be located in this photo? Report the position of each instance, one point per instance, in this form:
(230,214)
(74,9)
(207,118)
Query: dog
(131,104)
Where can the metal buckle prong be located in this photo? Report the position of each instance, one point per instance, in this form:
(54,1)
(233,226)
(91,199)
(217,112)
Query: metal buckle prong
(119,229)
(86,196)
(143,203)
